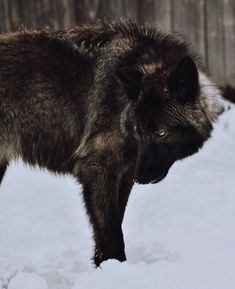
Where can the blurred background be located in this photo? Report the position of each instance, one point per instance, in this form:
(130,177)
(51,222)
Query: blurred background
(209,24)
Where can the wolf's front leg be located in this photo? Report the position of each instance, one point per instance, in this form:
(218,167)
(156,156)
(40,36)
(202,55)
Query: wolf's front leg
(3,167)
(100,192)
(124,189)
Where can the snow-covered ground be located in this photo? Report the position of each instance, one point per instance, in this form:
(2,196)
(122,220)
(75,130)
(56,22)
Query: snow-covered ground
(179,234)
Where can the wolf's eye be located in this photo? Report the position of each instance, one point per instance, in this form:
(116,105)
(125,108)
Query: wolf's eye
(161,133)
(136,133)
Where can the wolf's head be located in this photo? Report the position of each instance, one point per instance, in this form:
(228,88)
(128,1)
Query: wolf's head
(173,104)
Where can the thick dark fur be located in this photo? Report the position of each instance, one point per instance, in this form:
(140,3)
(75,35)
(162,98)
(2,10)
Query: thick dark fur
(228,93)
(108,103)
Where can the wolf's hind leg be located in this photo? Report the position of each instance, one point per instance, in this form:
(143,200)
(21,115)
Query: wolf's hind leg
(3,167)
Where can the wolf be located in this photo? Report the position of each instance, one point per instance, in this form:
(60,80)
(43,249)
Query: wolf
(228,93)
(110,103)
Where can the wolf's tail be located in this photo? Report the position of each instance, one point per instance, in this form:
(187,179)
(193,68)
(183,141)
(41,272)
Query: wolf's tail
(228,92)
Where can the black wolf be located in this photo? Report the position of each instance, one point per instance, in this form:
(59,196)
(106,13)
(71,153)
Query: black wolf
(228,93)
(110,103)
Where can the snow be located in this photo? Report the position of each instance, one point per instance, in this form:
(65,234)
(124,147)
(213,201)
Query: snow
(179,234)
(28,281)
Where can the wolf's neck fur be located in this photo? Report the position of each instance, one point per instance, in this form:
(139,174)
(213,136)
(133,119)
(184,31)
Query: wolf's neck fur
(210,97)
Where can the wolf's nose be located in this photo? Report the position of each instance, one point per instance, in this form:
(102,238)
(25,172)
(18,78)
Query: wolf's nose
(135,179)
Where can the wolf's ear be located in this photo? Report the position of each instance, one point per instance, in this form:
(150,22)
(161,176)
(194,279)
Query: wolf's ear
(131,81)
(183,82)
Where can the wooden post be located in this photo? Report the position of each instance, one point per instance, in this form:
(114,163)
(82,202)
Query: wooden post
(215,36)
(188,18)
(229,40)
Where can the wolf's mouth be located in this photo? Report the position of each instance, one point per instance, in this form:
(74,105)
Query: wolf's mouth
(160,178)
(144,181)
